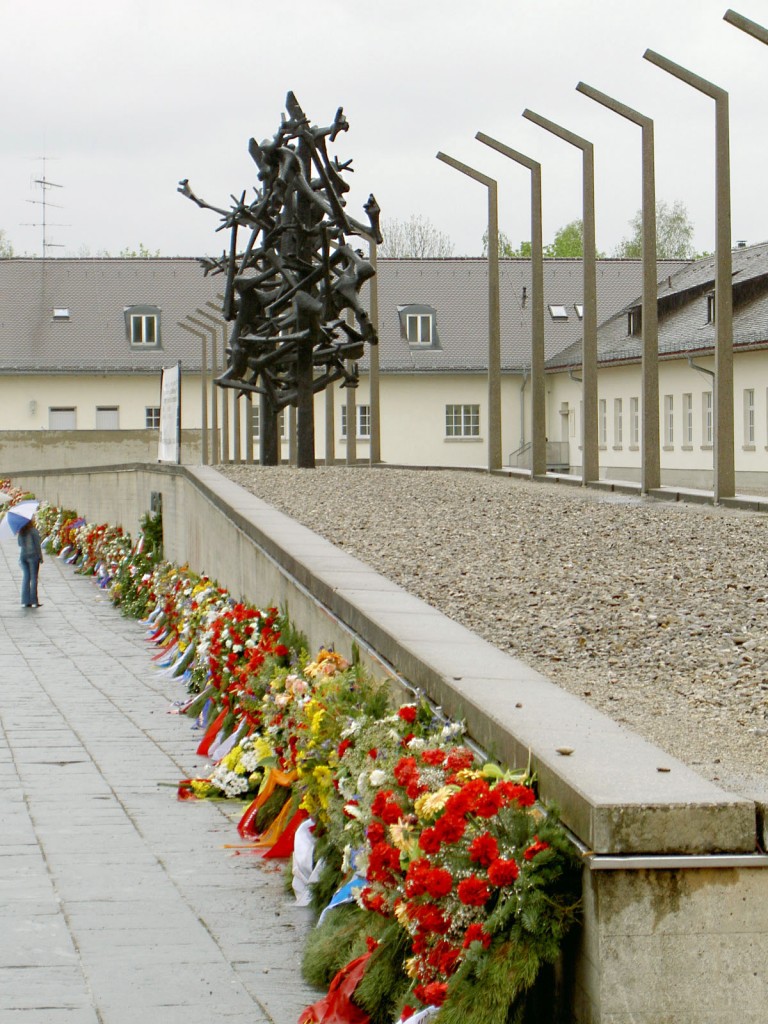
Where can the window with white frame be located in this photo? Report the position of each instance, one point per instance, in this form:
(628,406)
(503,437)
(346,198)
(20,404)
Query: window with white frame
(687,419)
(706,417)
(462,421)
(711,308)
(256,422)
(669,419)
(634,421)
(152,417)
(558,312)
(61,313)
(618,422)
(62,418)
(602,421)
(363,415)
(142,324)
(418,328)
(749,416)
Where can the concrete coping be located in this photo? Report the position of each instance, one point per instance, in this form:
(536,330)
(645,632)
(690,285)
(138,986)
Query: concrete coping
(617,793)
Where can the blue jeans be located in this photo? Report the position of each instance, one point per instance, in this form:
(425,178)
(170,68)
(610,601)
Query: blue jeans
(29,571)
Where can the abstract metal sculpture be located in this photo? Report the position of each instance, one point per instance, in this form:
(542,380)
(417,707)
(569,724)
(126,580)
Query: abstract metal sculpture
(289,289)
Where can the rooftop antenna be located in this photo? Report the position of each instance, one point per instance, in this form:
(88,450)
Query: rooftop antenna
(45,186)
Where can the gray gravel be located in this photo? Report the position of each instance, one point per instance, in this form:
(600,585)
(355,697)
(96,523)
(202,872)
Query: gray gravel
(656,613)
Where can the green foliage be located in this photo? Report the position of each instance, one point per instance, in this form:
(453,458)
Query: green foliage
(143,253)
(152,529)
(674,234)
(271,807)
(384,985)
(330,875)
(568,243)
(330,946)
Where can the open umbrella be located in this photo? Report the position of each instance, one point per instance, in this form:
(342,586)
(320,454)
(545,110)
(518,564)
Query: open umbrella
(16,517)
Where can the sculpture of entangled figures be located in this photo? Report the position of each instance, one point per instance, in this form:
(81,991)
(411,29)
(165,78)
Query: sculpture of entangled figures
(292,291)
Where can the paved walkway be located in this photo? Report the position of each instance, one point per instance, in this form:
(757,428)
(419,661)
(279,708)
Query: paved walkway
(119,904)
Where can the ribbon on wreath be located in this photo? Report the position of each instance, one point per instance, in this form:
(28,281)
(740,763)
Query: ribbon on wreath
(337,1006)
(247,824)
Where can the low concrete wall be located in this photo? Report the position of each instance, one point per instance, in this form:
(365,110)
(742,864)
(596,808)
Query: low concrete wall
(23,450)
(673,888)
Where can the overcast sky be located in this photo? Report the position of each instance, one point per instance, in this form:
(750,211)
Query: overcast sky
(126,97)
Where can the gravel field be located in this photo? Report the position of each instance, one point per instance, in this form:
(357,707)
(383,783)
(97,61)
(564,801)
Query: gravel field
(654,612)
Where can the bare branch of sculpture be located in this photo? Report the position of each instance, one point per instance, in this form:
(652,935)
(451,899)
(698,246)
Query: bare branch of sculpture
(288,289)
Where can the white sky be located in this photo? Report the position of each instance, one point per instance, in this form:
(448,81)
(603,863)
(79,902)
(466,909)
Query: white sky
(126,97)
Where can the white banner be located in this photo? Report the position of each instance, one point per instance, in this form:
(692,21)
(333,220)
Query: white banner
(169,442)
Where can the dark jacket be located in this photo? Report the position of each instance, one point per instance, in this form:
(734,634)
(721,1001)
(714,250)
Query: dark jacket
(30,548)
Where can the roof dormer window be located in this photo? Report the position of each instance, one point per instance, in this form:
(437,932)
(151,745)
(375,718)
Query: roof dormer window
(635,321)
(711,308)
(558,312)
(418,325)
(60,313)
(142,325)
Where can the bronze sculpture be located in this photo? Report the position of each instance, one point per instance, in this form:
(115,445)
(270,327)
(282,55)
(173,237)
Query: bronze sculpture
(288,291)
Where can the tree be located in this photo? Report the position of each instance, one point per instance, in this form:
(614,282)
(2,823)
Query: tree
(143,253)
(416,238)
(6,249)
(674,234)
(568,243)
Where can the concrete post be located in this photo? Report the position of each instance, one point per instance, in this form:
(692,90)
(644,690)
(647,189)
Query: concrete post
(590,469)
(373,362)
(724,462)
(494,314)
(330,425)
(650,470)
(538,396)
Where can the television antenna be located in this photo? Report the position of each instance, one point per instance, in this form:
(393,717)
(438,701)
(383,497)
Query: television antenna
(45,187)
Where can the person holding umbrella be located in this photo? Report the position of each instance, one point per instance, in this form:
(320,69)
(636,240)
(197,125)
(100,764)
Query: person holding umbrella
(30,559)
(19,522)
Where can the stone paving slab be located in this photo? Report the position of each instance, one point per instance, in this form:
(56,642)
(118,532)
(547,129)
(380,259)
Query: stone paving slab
(118,902)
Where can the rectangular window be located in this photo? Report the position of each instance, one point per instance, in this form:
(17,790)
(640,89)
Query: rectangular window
(256,422)
(669,419)
(687,419)
(635,321)
(61,418)
(749,416)
(706,417)
(60,313)
(418,328)
(711,309)
(462,421)
(107,417)
(634,422)
(363,413)
(602,421)
(152,417)
(558,312)
(618,422)
(143,327)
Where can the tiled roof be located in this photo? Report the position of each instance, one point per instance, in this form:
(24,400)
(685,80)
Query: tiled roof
(458,291)
(683,323)
(96,292)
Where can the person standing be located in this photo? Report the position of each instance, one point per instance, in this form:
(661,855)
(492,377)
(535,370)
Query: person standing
(30,560)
